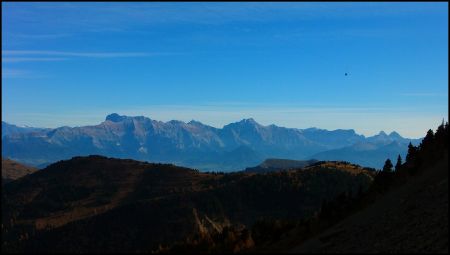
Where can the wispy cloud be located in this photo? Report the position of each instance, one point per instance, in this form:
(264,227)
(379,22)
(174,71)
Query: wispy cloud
(17,56)
(94,16)
(421,94)
(12,73)
(79,54)
(21,59)
(42,36)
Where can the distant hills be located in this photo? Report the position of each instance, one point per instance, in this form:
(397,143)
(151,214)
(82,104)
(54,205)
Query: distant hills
(12,170)
(272,164)
(235,146)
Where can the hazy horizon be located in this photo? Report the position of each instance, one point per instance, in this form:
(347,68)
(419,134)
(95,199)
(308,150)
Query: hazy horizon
(362,66)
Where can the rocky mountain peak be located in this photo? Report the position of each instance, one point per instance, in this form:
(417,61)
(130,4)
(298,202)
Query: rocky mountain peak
(249,120)
(194,122)
(382,133)
(394,134)
(114,117)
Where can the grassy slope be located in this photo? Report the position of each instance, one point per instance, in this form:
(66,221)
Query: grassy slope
(409,218)
(12,170)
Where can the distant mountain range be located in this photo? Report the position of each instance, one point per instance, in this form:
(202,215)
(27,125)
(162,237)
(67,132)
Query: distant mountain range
(10,129)
(234,147)
(372,152)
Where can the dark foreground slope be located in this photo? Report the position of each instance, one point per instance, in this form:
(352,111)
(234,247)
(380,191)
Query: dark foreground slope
(411,218)
(98,204)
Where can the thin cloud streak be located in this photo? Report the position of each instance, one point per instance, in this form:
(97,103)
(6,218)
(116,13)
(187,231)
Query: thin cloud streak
(79,54)
(42,36)
(12,73)
(101,14)
(20,59)
(424,94)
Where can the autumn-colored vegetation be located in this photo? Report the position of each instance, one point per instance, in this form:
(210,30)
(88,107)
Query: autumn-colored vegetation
(104,204)
(12,170)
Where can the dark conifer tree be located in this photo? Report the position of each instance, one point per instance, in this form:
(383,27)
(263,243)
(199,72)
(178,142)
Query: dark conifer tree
(427,140)
(445,137)
(387,166)
(411,156)
(440,136)
(398,165)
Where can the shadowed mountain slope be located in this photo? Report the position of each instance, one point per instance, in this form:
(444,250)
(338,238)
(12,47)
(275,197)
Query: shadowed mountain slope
(410,218)
(103,204)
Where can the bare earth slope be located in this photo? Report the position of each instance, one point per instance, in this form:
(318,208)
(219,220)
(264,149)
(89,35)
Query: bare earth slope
(410,218)
(12,170)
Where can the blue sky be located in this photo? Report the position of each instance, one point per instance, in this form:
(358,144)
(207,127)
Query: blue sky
(282,63)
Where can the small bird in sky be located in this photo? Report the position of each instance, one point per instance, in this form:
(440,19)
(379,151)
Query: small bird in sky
(346,74)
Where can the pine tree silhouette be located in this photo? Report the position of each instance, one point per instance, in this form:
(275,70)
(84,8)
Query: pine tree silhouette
(387,166)
(398,165)
(411,156)
(427,140)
